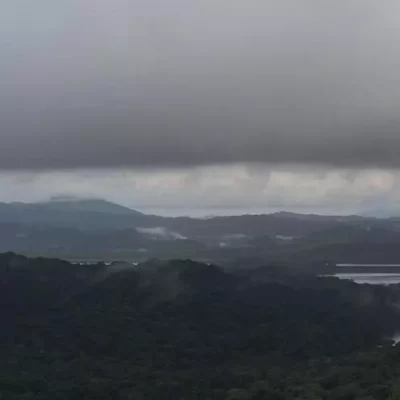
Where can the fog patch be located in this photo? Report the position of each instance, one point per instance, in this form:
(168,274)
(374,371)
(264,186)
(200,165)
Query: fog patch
(160,233)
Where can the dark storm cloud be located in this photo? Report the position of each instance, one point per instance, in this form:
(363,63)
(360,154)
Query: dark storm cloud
(101,83)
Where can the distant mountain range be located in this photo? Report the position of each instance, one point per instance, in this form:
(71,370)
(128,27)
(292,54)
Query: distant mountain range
(87,205)
(97,229)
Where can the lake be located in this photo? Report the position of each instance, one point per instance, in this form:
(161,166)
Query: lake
(371,278)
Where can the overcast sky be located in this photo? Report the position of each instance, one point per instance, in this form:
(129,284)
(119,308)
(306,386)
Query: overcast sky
(232,189)
(166,104)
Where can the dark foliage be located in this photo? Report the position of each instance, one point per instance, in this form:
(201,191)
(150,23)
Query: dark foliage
(185,330)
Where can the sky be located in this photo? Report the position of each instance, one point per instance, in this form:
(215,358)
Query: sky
(218,190)
(205,107)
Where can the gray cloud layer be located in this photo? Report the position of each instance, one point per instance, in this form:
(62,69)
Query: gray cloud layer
(101,83)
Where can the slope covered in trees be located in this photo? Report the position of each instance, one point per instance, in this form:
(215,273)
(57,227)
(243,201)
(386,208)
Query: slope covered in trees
(186,330)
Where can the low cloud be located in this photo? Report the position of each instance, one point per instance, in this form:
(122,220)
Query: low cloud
(161,232)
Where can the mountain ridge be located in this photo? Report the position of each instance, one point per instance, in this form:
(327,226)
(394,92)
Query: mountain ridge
(90,204)
(98,229)
(106,206)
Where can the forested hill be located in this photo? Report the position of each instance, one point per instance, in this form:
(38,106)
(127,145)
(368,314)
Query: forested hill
(186,330)
(79,229)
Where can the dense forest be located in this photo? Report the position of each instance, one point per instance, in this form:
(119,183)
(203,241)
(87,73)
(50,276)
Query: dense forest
(186,330)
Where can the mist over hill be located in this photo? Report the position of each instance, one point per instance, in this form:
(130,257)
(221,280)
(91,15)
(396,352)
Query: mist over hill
(93,229)
(90,205)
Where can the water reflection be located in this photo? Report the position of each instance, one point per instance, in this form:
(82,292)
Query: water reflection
(371,278)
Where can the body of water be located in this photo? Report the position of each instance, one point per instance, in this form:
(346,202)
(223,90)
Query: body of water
(371,278)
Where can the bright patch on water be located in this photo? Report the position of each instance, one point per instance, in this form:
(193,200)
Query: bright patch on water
(371,278)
